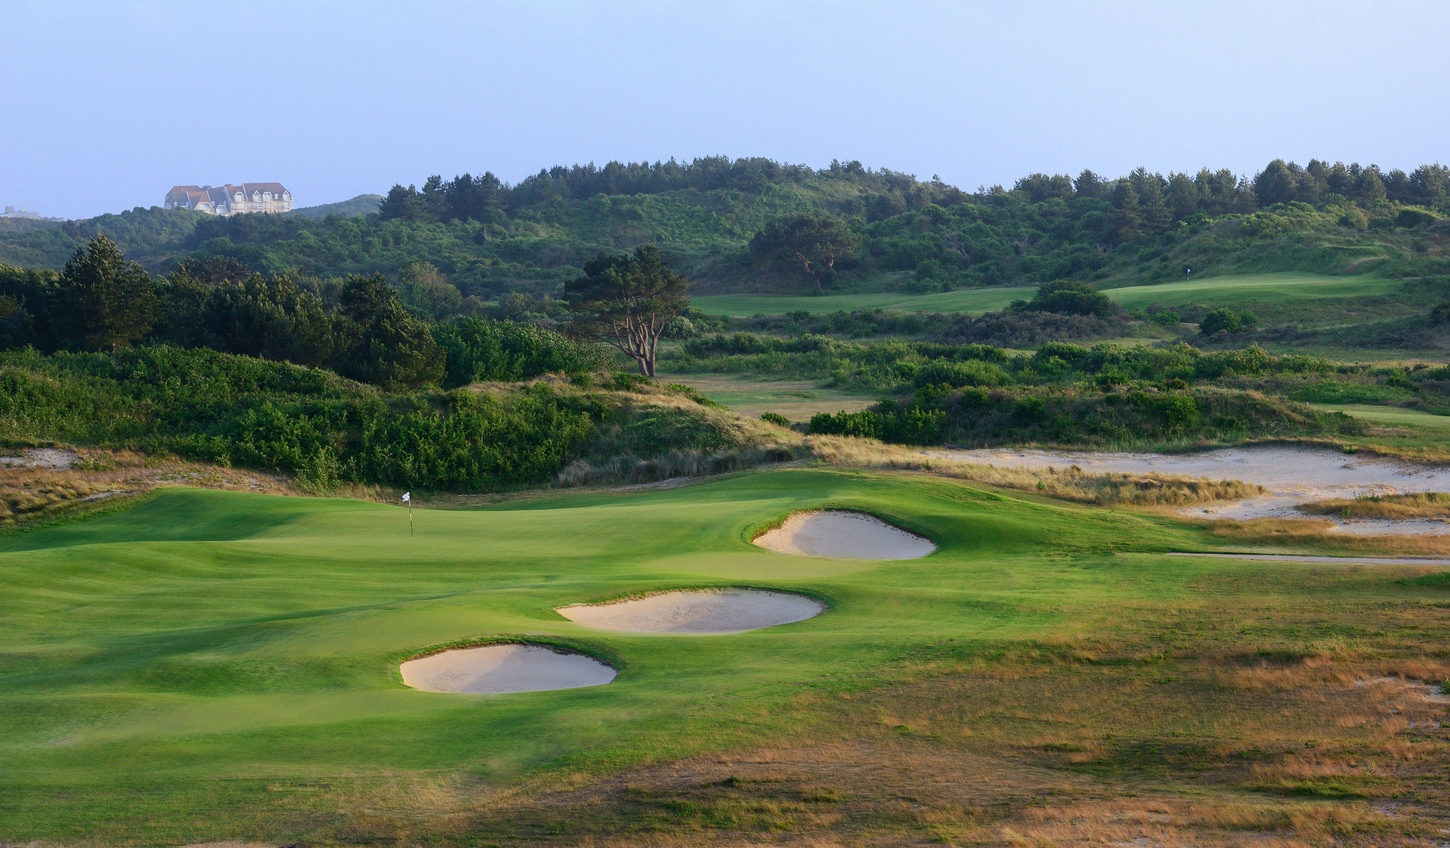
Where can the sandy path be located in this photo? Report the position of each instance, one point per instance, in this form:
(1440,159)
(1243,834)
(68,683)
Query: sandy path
(697,611)
(838,534)
(41,458)
(1292,476)
(496,669)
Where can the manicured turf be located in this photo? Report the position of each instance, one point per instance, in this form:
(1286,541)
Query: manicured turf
(962,300)
(1389,414)
(1265,291)
(212,665)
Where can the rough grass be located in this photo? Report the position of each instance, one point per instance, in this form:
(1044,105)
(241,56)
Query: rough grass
(1317,533)
(1070,483)
(662,432)
(98,477)
(1416,505)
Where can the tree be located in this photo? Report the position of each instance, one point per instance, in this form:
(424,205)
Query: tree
(427,293)
(628,301)
(815,241)
(1183,196)
(1155,212)
(382,343)
(1369,189)
(268,317)
(1127,218)
(1088,184)
(1274,184)
(106,302)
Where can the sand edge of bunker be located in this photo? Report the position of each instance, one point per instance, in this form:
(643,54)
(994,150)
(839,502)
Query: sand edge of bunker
(705,610)
(840,533)
(576,666)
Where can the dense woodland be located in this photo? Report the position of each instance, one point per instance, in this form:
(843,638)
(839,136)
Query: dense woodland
(486,238)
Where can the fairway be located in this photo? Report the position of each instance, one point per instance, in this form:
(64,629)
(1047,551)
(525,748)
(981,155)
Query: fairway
(1388,414)
(961,300)
(1273,291)
(210,665)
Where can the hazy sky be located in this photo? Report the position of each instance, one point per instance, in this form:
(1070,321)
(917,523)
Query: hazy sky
(106,105)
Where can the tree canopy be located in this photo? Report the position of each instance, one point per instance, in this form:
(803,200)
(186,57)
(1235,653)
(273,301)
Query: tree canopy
(108,302)
(814,241)
(628,301)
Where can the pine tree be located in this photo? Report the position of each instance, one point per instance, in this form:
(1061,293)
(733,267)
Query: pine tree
(108,303)
(1156,215)
(1127,218)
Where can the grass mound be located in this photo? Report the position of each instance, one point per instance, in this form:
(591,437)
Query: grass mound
(1414,505)
(211,663)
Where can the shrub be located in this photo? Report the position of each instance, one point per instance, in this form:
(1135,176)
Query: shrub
(1067,297)
(480,349)
(1226,321)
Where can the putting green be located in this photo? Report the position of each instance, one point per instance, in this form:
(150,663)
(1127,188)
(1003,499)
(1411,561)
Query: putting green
(209,664)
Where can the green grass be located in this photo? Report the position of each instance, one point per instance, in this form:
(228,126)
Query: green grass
(962,300)
(751,395)
(1269,293)
(1395,415)
(214,665)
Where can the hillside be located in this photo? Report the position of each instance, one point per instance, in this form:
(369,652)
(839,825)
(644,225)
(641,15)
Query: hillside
(905,235)
(363,204)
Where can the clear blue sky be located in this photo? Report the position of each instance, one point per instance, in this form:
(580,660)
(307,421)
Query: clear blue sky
(106,105)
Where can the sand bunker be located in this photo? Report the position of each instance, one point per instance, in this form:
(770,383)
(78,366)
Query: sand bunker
(843,535)
(697,611)
(1292,476)
(496,669)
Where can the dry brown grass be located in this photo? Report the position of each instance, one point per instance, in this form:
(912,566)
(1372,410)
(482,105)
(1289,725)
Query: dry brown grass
(1418,505)
(1317,533)
(1071,483)
(1073,743)
(745,442)
(98,477)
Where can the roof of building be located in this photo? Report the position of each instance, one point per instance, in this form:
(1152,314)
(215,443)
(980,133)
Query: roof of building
(191,195)
(275,188)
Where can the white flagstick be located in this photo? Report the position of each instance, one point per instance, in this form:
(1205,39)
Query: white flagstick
(408,499)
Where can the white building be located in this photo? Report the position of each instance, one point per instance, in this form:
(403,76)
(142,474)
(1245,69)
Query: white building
(230,199)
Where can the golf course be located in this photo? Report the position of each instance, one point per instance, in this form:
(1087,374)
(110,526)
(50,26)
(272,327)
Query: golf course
(1275,294)
(199,666)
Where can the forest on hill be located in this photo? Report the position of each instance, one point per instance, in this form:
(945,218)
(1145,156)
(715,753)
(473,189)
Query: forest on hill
(738,225)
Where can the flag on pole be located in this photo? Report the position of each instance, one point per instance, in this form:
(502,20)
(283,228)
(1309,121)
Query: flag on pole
(407,496)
